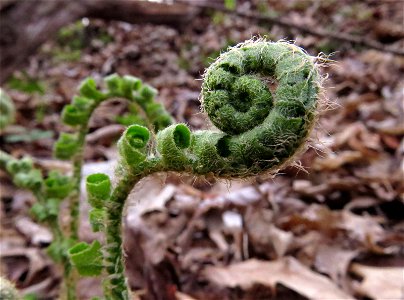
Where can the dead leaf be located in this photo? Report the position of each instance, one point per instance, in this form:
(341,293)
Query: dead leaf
(287,271)
(380,283)
(317,217)
(38,235)
(263,235)
(182,296)
(334,261)
(36,261)
(335,161)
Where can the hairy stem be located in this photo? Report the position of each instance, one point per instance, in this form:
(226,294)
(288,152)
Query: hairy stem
(69,279)
(75,196)
(115,285)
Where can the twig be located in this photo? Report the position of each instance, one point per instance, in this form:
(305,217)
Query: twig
(316,32)
(105,133)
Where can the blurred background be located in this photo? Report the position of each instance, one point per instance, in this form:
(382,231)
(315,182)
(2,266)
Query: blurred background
(331,226)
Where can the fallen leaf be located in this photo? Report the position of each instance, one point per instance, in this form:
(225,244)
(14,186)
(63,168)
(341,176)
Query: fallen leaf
(287,271)
(36,261)
(38,235)
(335,161)
(182,296)
(334,261)
(320,218)
(263,235)
(380,283)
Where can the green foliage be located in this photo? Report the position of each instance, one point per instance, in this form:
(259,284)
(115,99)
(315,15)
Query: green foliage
(88,88)
(24,174)
(132,117)
(98,189)
(260,129)
(7,110)
(87,258)
(73,115)
(58,249)
(66,146)
(97,219)
(27,136)
(132,144)
(72,39)
(72,36)
(30,296)
(230,4)
(25,83)
(171,143)
(210,57)
(57,185)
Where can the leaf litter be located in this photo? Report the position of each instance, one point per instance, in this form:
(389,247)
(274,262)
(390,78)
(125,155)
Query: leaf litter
(299,235)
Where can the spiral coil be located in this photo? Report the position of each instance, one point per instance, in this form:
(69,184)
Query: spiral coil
(261,128)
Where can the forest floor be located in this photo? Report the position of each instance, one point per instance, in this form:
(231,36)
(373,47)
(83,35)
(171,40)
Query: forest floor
(331,227)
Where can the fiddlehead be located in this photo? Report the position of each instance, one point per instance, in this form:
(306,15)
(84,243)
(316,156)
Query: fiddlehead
(261,130)
(70,146)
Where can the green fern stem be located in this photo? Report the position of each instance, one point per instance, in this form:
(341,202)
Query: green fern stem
(77,168)
(115,285)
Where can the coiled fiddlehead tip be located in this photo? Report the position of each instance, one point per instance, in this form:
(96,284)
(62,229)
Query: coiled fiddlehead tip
(171,143)
(66,146)
(132,144)
(87,258)
(57,185)
(24,174)
(263,97)
(98,188)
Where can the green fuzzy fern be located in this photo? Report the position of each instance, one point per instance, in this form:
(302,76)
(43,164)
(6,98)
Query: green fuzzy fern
(261,129)
(52,189)
(262,97)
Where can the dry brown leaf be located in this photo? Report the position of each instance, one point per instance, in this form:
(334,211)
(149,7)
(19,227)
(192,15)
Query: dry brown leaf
(287,271)
(335,161)
(334,261)
(45,289)
(263,235)
(37,234)
(182,296)
(380,283)
(36,261)
(320,218)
